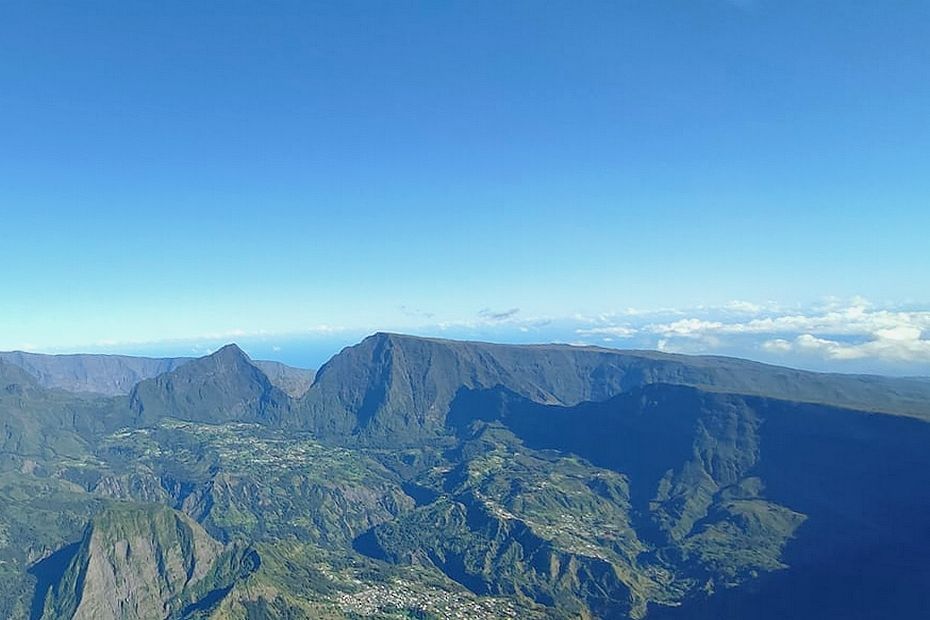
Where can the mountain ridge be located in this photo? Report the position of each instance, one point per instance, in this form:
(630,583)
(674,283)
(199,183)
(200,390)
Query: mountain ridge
(560,481)
(224,386)
(94,373)
(116,375)
(392,384)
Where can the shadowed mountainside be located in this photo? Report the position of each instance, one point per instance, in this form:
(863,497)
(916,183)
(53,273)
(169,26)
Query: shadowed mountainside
(417,476)
(714,490)
(398,388)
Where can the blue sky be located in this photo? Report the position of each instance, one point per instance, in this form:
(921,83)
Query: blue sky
(174,174)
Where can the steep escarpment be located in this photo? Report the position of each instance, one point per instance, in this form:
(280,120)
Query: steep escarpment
(135,561)
(399,388)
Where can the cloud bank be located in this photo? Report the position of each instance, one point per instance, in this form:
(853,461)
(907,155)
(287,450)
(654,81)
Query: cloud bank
(834,331)
(852,335)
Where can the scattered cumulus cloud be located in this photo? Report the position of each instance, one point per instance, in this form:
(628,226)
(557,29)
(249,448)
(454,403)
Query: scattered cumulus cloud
(686,328)
(902,343)
(324,329)
(747,307)
(488,320)
(610,332)
(834,329)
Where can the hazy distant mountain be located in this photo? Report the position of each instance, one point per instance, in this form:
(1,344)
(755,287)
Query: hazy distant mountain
(294,381)
(430,478)
(36,423)
(101,374)
(114,375)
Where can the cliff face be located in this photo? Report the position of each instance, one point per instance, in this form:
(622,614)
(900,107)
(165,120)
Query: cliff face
(133,562)
(400,387)
(394,389)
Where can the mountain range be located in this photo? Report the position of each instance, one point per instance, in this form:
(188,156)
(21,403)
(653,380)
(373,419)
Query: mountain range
(114,375)
(428,478)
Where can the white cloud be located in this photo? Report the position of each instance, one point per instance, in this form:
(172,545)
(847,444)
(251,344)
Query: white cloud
(744,307)
(900,344)
(777,345)
(832,330)
(613,331)
(835,334)
(852,320)
(324,329)
(687,328)
(902,333)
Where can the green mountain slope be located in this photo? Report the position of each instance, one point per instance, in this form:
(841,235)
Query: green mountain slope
(222,387)
(248,482)
(134,561)
(435,479)
(37,424)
